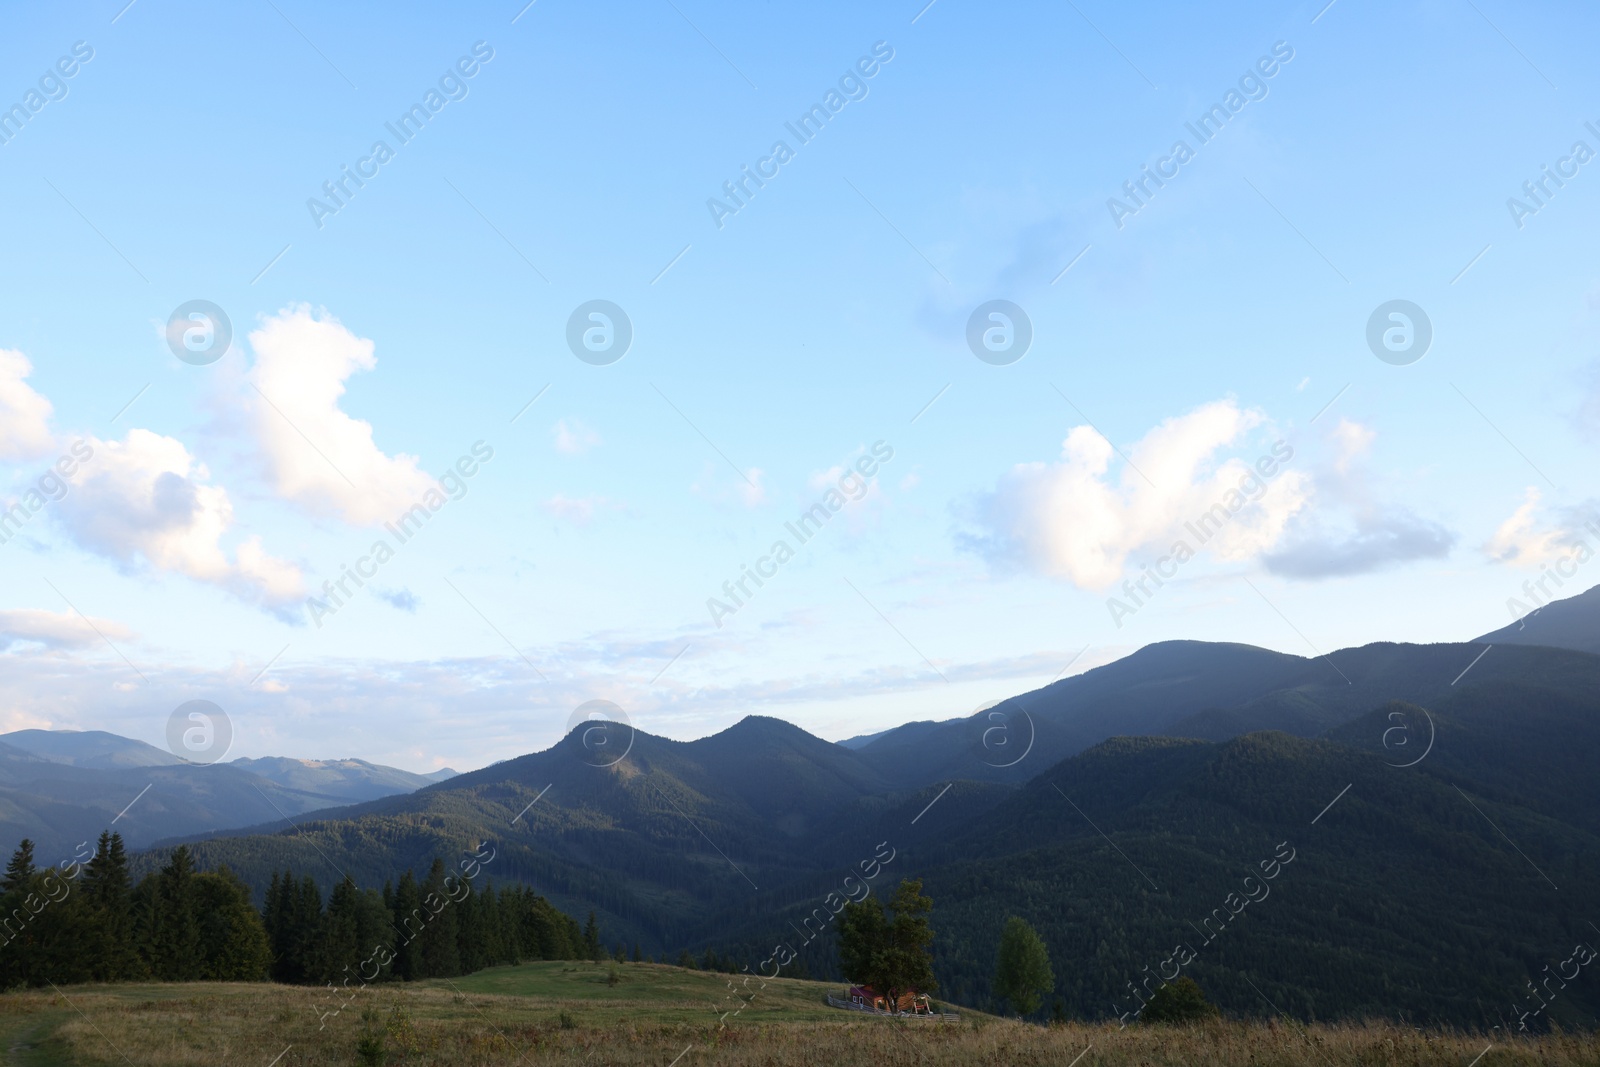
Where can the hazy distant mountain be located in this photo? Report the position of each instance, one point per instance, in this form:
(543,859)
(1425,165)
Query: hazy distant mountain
(61,787)
(1571,623)
(346,779)
(89,748)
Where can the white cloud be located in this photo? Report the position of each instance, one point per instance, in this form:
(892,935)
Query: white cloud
(1525,540)
(317,456)
(863,496)
(1072,519)
(471,711)
(715,485)
(146,499)
(752,492)
(1353,441)
(574,439)
(1353,530)
(24,414)
(65,629)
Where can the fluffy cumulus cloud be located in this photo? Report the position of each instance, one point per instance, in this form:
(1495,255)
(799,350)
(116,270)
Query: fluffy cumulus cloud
(145,501)
(24,414)
(56,629)
(316,455)
(1077,520)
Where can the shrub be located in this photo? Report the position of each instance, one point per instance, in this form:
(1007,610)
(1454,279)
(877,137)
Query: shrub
(1179,1002)
(370,1051)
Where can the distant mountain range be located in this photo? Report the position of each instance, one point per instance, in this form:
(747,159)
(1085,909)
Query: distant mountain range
(1438,802)
(60,787)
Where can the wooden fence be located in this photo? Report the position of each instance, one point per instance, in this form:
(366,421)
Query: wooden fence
(839,1002)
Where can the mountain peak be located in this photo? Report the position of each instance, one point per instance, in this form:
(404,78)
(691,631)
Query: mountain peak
(1573,623)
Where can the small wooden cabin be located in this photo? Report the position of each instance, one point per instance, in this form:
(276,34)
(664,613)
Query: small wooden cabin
(865,998)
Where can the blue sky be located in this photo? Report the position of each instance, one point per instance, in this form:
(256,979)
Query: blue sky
(374,347)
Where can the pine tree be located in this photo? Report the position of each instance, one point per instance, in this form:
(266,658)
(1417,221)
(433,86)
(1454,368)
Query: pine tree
(108,937)
(591,939)
(308,918)
(173,948)
(469,931)
(282,916)
(20,869)
(20,962)
(494,939)
(340,938)
(375,934)
(408,924)
(441,954)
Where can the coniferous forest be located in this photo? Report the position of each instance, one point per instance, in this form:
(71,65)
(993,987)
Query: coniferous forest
(85,920)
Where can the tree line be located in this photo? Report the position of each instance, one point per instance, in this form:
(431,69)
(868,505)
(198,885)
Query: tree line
(85,920)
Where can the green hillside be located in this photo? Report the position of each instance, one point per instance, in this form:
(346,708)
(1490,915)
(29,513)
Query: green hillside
(1406,900)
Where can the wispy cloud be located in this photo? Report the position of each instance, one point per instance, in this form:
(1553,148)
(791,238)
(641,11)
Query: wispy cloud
(573,438)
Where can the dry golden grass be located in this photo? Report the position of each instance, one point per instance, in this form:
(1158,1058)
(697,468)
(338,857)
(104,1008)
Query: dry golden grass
(651,1024)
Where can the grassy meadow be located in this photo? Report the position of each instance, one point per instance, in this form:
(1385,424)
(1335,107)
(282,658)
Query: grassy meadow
(573,1014)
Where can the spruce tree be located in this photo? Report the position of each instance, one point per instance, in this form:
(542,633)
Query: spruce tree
(469,931)
(173,948)
(20,869)
(441,953)
(108,936)
(376,935)
(340,940)
(408,924)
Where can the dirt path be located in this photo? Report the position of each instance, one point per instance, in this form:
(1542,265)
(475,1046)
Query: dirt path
(27,1040)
